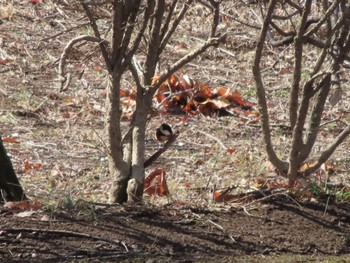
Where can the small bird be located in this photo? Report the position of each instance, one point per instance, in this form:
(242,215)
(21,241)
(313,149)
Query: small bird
(164,133)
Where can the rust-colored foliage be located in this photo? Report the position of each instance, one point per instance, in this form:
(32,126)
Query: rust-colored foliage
(29,167)
(25,205)
(9,140)
(155,183)
(182,95)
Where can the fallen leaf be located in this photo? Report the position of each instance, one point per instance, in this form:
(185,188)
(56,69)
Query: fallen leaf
(3,61)
(25,214)
(231,150)
(9,140)
(24,205)
(155,183)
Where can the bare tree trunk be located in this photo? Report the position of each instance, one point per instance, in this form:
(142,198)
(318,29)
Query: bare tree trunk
(118,168)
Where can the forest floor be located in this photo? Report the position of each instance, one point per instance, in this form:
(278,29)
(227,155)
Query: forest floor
(56,143)
(278,230)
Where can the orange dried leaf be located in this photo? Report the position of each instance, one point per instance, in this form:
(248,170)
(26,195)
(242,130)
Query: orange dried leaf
(155,79)
(224,197)
(187,184)
(160,97)
(285,71)
(3,61)
(190,108)
(223,92)
(174,84)
(9,140)
(208,108)
(231,150)
(66,115)
(202,95)
(216,195)
(155,183)
(24,205)
(306,166)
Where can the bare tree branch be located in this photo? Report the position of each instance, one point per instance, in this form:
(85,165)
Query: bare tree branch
(184,60)
(326,16)
(298,56)
(64,79)
(215,5)
(119,25)
(329,151)
(169,17)
(166,35)
(149,9)
(102,45)
(316,115)
(154,42)
(261,94)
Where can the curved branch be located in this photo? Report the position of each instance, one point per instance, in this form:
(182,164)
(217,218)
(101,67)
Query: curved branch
(63,78)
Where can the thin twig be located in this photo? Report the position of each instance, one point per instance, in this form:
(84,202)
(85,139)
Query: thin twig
(214,138)
(222,230)
(64,31)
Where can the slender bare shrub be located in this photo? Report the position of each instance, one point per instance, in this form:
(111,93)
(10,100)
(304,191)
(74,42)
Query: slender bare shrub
(149,24)
(318,25)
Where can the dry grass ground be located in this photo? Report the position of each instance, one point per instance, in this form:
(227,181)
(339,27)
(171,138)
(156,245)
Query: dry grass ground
(63,132)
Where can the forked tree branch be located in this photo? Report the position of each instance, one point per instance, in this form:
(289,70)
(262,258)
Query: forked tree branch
(152,56)
(119,24)
(130,26)
(216,6)
(316,114)
(297,116)
(167,20)
(135,45)
(298,57)
(325,17)
(261,93)
(94,27)
(166,34)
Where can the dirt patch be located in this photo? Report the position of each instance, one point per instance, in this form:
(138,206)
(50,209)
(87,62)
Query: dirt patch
(274,230)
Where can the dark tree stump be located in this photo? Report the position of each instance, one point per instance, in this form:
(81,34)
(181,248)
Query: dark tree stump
(10,187)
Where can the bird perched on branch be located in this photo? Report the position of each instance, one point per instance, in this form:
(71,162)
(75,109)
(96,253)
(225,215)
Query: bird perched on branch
(164,133)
